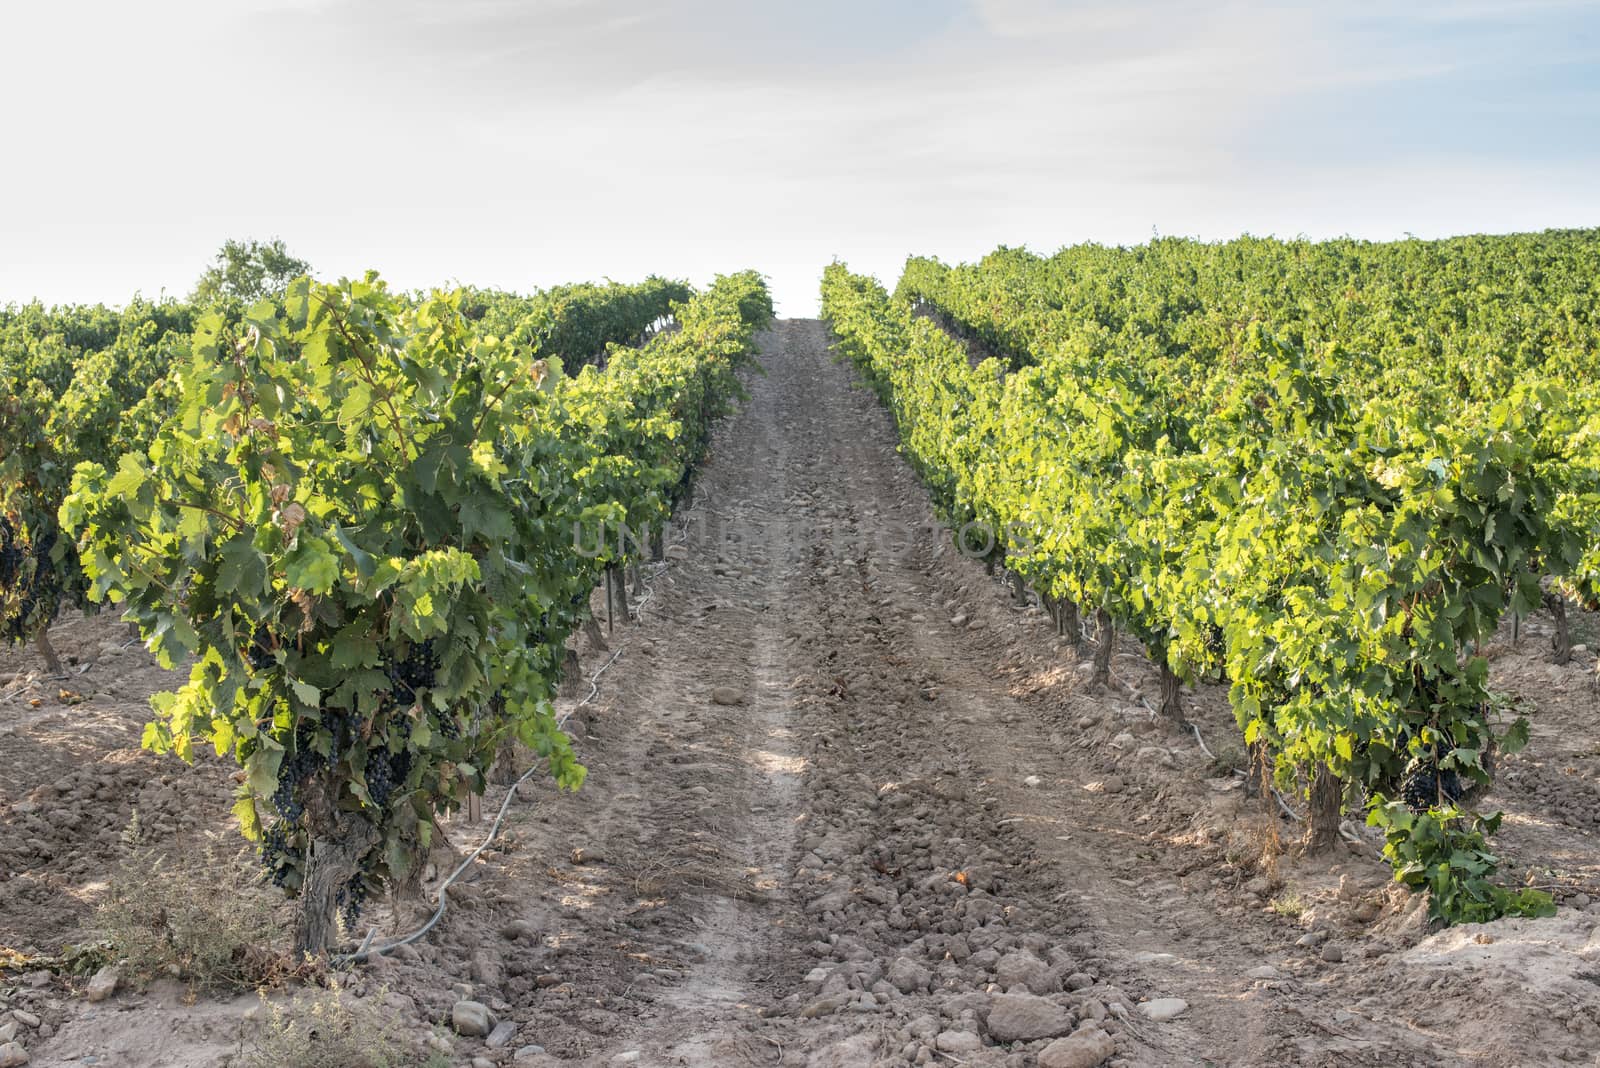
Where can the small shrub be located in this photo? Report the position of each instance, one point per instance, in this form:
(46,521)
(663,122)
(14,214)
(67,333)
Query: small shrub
(193,915)
(320,1029)
(1289,904)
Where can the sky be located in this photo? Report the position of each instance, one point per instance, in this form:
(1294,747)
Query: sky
(523,144)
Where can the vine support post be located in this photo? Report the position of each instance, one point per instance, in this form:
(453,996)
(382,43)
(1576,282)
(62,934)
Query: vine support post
(611,602)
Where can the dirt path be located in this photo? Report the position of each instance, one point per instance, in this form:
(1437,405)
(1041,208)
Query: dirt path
(851,804)
(895,821)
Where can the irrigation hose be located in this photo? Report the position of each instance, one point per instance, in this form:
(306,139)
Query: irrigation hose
(367,950)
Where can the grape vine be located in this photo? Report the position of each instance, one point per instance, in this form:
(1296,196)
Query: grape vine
(359,524)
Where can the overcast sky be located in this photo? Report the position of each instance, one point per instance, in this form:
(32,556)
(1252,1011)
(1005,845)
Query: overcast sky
(521,144)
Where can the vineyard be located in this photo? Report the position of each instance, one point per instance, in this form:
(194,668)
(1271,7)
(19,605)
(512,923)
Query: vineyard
(1315,473)
(1165,655)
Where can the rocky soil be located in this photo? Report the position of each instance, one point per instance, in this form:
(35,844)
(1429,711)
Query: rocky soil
(850,803)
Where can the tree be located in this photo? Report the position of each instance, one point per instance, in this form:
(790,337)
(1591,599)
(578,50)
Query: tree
(246,271)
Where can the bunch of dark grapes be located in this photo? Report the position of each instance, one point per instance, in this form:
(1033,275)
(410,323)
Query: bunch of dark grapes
(351,899)
(37,593)
(11,554)
(1427,785)
(298,765)
(345,727)
(1419,789)
(449,726)
(400,764)
(44,544)
(414,673)
(385,773)
(261,653)
(539,636)
(279,855)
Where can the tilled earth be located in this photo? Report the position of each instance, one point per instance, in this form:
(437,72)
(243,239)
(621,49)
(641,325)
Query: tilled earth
(850,803)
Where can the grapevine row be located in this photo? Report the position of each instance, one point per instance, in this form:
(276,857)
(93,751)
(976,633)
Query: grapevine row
(78,383)
(1434,324)
(1241,513)
(363,521)
(89,384)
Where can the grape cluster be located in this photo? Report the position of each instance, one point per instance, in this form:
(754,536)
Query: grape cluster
(37,593)
(44,543)
(1427,785)
(279,854)
(344,725)
(539,637)
(414,673)
(351,899)
(385,773)
(11,554)
(261,653)
(298,765)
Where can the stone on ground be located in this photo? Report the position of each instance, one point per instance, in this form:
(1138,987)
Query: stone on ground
(472,1019)
(1025,1017)
(1163,1009)
(1085,1049)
